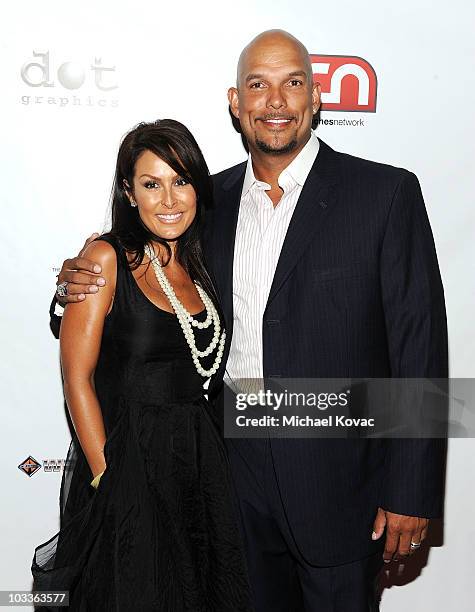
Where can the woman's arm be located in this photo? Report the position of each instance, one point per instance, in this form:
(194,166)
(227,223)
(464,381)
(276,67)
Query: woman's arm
(80,343)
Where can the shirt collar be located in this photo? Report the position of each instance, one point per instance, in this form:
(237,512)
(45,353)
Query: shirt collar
(298,169)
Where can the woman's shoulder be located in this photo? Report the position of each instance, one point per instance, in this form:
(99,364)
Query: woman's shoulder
(110,239)
(103,251)
(102,246)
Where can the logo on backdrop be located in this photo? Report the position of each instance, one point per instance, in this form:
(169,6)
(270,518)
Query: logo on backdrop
(51,81)
(349,84)
(30,465)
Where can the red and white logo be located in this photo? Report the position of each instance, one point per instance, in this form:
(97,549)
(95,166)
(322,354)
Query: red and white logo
(349,83)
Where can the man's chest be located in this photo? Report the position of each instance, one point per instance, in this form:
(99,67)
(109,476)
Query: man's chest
(260,233)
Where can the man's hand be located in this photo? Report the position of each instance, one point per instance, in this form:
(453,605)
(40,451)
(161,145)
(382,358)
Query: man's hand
(81,276)
(401,530)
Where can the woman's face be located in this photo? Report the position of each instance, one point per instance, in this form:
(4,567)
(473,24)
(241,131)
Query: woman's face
(166,201)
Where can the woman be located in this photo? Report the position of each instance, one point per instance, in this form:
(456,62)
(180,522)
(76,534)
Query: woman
(156,529)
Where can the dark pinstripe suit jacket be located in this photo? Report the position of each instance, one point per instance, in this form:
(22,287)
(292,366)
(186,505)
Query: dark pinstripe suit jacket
(357,293)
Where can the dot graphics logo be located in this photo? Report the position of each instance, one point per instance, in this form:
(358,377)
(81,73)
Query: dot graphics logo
(93,83)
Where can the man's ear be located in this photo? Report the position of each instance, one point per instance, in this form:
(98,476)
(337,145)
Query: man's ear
(316,97)
(233,98)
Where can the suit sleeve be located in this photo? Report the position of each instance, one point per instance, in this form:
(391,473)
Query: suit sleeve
(416,326)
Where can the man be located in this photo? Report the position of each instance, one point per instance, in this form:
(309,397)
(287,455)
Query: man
(325,266)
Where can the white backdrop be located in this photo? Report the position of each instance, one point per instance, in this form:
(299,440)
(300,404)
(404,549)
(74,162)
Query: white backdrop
(112,64)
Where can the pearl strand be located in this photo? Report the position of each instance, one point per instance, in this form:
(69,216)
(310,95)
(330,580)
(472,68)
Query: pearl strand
(187,321)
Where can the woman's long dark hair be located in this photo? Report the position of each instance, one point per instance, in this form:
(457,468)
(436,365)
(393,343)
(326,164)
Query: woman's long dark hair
(175,145)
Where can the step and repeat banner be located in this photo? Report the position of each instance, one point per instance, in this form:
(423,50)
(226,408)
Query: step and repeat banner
(397,88)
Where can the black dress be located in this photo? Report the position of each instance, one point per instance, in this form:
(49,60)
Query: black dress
(160,531)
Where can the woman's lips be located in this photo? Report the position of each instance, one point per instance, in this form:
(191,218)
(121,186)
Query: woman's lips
(170,218)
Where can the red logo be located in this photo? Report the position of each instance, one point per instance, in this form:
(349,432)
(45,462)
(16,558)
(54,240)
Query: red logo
(349,83)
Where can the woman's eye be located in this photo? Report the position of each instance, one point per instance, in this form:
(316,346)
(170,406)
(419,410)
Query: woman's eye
(151,185)
(181,181)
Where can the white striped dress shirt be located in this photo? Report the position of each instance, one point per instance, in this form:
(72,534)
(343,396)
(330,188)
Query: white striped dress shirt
(260,234)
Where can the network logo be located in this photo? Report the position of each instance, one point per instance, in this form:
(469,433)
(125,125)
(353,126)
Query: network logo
(349,83)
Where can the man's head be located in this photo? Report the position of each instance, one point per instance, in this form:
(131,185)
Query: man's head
(275,97)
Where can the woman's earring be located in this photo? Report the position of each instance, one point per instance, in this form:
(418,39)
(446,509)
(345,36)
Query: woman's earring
(133,203)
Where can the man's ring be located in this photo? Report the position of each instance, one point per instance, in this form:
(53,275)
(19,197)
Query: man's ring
(62,289)
(415,545)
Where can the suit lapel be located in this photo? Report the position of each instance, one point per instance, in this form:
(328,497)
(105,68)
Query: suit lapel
(224,230)
(313,207)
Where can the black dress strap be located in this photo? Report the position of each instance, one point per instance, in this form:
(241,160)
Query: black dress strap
(124,286)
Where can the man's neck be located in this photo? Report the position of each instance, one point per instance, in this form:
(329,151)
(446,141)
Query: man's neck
(268,167)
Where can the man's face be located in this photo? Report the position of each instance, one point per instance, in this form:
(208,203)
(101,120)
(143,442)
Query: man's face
(276,97)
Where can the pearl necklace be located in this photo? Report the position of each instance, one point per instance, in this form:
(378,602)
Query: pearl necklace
(187,321)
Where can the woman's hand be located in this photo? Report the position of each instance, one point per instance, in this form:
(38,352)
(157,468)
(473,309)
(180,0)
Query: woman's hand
(96,479)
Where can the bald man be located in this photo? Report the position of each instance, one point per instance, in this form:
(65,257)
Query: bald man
(326,267)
